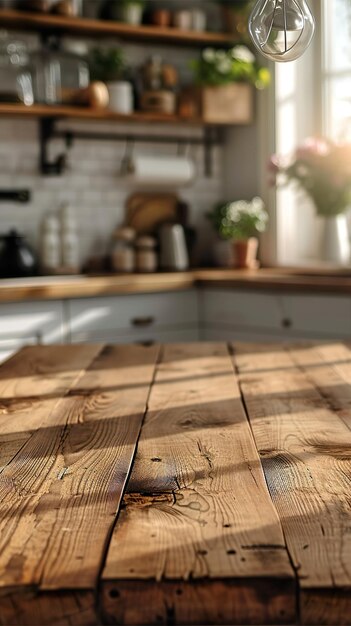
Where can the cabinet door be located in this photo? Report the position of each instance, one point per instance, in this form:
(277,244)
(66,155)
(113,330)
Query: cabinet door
(230,334)
(240,309)
(132,313)
(317,316)
(29,323)
(167,336)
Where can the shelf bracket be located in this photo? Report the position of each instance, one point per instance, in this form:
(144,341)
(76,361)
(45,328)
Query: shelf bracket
(47,167)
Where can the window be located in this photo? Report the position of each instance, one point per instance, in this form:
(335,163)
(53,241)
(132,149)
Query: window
(336,69)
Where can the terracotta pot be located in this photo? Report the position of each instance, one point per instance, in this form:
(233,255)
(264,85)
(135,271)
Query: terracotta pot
(245,253)
(162,18)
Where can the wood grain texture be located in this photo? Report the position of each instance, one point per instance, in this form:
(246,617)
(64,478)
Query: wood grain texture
(60,494)
(31,384)
(197,509)
(305,447)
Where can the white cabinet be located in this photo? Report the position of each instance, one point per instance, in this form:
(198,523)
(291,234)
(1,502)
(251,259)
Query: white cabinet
(256,316)
(143,317)
(29,323)
(317,316)
(239,309)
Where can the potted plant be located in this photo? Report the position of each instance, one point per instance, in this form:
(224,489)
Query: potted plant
(235,16)
(108,65)
(240,222)
(224,81)
(132,11)
(322,169)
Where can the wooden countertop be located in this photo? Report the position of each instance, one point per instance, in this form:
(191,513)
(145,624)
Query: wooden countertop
(146,485)
(81,286)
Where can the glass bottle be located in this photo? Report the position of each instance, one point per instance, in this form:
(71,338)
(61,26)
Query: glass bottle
(15,76)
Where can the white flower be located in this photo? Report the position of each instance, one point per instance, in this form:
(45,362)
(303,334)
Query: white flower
(209,55)
(223,66)
(242,53)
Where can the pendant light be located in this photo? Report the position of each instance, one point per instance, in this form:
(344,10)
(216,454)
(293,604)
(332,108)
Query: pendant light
(281,29)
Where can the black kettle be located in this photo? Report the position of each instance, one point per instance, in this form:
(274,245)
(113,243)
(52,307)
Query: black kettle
(17,258)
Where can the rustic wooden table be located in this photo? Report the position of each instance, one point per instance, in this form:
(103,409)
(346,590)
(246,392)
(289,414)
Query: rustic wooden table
(184,484)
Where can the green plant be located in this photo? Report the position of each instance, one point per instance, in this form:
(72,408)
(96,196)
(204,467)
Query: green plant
(223,67)
(239,220)
(107,64)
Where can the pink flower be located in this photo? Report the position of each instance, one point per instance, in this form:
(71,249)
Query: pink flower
(311,148)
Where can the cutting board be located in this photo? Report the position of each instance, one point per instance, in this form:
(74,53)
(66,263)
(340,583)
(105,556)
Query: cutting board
(145,212)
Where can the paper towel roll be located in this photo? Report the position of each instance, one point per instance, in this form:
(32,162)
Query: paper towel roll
(158,171)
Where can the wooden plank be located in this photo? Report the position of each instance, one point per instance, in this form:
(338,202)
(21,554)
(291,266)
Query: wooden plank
(93,27)
(328,366)
(60,494)
(66,287)
(89,113)
(305,452)
(198,540)
(31,384)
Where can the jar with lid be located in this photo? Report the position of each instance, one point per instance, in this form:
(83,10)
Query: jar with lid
(123,253)
(15,76)
(146,256)
(60,71)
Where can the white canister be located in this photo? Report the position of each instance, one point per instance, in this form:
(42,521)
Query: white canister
(133,13)
(199,20)
(121,97)
(183,20)
(51,244)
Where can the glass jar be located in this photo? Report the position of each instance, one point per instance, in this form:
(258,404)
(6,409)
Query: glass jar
(60,72)
(15,76)
(123,253)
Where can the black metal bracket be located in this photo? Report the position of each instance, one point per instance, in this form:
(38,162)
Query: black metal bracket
(211,137)
(47,167)
(15,195)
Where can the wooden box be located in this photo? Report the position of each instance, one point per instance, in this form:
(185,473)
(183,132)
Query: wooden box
(228,104)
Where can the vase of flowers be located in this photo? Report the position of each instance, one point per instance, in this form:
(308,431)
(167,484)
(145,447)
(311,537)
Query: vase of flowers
(224,81)
(240,223)
(322,169)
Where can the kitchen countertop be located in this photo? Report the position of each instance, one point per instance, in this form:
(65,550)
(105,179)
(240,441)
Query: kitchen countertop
(145,485)
(81,286)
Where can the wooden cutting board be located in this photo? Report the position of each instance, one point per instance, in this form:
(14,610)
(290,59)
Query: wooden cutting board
(145,212)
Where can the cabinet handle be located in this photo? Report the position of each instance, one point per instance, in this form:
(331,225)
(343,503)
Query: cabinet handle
(146,344)
(286,323)
(143,322)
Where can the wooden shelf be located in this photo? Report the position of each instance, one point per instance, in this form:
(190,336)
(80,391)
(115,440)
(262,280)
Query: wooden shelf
(74,112)
(97,28)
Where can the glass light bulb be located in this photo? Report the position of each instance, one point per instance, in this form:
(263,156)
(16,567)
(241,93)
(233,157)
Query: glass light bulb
(281,29)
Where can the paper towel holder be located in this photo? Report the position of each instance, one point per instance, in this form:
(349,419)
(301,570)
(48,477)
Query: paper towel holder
(211,137)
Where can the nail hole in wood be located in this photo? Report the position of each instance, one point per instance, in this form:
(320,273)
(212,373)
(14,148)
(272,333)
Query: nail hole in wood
(114,593)
(231,551)
(156,459)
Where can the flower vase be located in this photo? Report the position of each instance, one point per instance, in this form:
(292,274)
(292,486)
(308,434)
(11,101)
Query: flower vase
(336,241)
(245,253)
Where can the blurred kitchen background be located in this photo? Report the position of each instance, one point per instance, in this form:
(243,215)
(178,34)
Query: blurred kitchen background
(141,140)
